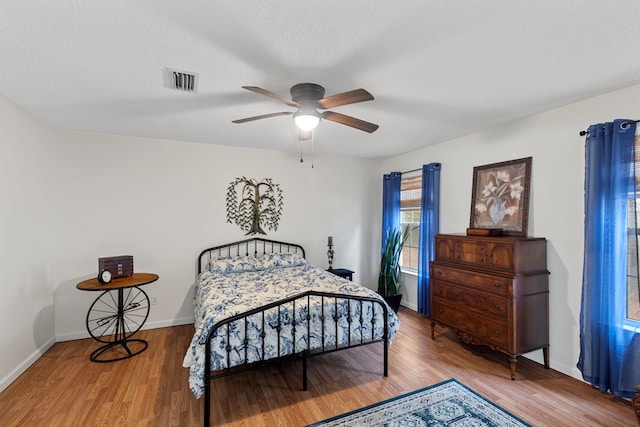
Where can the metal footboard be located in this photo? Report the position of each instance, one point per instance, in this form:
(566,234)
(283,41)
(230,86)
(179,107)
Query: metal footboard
(297,302)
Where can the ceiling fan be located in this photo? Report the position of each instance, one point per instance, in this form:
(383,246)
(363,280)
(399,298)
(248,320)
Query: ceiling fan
(308,98)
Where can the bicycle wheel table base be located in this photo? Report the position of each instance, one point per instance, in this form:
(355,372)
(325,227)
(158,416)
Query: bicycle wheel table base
(116,315)
(120,313)
(118,350)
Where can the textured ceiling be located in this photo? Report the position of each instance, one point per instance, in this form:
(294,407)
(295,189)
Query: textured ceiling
(438,69)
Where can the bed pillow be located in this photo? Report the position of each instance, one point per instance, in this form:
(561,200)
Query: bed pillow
(234,265)
(284,259)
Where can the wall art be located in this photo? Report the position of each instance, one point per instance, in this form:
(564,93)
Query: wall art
(254,206)
(500,197)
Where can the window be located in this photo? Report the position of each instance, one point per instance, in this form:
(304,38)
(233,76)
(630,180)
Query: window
(410,201)
(633,242)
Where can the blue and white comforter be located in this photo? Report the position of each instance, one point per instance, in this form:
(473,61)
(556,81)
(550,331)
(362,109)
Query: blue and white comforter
(219,296)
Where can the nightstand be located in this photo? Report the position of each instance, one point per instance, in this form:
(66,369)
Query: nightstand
(342,272)
(117,314)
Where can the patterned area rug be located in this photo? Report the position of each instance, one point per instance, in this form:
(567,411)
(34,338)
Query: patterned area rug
(448,403)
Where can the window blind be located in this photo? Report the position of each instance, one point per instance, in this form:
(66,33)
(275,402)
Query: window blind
(410,192)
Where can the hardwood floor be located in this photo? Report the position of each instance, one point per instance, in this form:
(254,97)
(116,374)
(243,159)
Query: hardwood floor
(63,388)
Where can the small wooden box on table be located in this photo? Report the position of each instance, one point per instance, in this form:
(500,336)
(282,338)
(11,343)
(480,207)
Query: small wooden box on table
(492,291)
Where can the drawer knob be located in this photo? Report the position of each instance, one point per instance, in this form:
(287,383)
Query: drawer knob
(496,333)
(497,285)
(439,272)
(496,307)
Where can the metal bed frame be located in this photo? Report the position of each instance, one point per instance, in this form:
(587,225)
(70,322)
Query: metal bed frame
(256,247)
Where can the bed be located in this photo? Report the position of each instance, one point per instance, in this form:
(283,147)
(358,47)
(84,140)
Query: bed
(259,301)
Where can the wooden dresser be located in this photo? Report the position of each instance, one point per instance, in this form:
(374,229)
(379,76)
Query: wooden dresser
(493,291)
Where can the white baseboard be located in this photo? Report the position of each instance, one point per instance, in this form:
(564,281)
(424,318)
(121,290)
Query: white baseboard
(148,325)
(25,364)
(4,383)
(168,323)
(410,306)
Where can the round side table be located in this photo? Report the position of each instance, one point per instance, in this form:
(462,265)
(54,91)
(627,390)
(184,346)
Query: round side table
(118,313)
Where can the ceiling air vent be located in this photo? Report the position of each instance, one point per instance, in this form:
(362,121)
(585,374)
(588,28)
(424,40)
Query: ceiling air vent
(181,80)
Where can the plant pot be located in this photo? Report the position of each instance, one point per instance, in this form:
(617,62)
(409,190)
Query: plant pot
(393,301)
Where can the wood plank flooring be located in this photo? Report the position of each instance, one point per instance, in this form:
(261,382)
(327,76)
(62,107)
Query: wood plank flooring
(63,388)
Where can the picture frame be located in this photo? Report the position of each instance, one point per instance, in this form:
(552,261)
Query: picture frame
(500,198)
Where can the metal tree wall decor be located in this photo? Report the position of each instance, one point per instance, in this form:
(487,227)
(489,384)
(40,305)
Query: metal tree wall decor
(260,205)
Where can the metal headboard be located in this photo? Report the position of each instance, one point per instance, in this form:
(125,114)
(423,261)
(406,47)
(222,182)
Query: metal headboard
(249,247)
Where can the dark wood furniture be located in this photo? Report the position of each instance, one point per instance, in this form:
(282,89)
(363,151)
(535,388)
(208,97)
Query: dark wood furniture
(493,291)
(118,313)
(345,273)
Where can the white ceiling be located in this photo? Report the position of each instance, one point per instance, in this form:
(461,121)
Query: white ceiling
(438,69)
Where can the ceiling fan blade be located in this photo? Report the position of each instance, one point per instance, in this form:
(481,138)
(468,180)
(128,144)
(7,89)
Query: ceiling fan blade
(272,95)
(263,116)
(350,121)
(305,135)
(351,97)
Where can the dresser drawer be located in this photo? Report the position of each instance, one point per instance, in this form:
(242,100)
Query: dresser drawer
(508,254)
(497,284)
(482,302)
(480,329)
(469,252)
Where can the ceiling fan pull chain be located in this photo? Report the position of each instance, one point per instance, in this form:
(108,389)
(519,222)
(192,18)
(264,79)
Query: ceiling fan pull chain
(312,132)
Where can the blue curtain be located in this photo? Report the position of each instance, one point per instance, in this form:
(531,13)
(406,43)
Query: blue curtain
(429,227)
(390,203)
(609,343)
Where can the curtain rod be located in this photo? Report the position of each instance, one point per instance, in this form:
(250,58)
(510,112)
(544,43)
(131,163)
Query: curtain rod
(412,170)
(435,165)
(584,132)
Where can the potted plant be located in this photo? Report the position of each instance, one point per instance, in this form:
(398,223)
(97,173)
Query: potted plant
(388,279)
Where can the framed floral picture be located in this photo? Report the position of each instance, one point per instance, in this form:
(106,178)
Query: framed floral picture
(500,197)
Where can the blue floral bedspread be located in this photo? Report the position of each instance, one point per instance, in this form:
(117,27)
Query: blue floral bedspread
(219,296)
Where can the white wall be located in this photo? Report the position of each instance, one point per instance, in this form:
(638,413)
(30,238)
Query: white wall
(163,202)
(27,178)
(67,199)
(557,189)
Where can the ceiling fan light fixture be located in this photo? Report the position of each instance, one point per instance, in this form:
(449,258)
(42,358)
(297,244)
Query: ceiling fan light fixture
(308,98)
(306,120)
